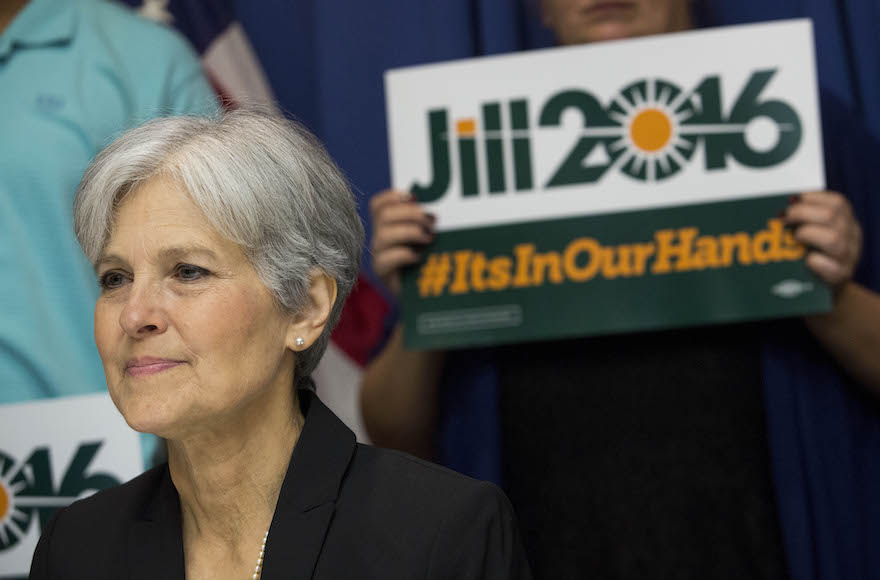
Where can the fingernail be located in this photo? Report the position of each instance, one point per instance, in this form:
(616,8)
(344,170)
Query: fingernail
(794,198)
(406,196)
(431,217)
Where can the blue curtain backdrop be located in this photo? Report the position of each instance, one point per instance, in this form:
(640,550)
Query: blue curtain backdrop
(325,60)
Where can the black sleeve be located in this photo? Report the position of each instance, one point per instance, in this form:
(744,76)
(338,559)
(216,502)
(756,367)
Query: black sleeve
(40,561)
(479,540)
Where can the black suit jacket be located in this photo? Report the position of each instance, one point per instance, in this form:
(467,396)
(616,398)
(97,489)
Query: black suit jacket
(345,511)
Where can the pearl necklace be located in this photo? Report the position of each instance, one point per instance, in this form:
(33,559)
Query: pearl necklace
(259,566)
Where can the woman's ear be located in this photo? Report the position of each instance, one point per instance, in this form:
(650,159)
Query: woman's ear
(309,323)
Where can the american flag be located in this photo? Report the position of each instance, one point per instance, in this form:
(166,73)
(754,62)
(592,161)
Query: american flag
(235,72)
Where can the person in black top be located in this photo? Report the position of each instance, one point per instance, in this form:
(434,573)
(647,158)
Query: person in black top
(638,456)
(225,248)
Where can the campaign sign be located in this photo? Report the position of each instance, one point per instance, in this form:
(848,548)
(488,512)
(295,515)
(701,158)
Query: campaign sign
(53,452)
(622,186)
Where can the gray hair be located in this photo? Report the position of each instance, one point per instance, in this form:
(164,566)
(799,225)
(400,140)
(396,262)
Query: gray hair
(261,181)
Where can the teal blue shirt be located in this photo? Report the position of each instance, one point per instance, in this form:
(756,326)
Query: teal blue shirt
(73,74)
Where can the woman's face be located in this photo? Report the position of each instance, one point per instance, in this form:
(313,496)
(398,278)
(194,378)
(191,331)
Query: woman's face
(581,21)
(189,336)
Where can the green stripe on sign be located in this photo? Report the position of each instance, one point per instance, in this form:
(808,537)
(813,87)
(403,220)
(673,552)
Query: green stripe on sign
(641,270)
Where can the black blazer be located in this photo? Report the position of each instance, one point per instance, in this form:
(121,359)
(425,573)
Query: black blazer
(345,511)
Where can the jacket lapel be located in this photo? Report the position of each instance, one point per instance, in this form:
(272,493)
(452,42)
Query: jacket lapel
(309,492)
(302,516)
(155,541)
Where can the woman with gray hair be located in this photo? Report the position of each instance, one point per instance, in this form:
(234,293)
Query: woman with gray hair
(225,249)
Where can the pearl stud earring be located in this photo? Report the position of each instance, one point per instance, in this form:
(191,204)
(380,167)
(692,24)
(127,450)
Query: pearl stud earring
(300,341)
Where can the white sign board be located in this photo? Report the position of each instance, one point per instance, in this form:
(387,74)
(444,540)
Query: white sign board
(660,121)
(53,452)
(613,187)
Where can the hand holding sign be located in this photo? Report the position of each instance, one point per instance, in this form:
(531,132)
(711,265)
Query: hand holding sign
(400,229)
(825,222)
